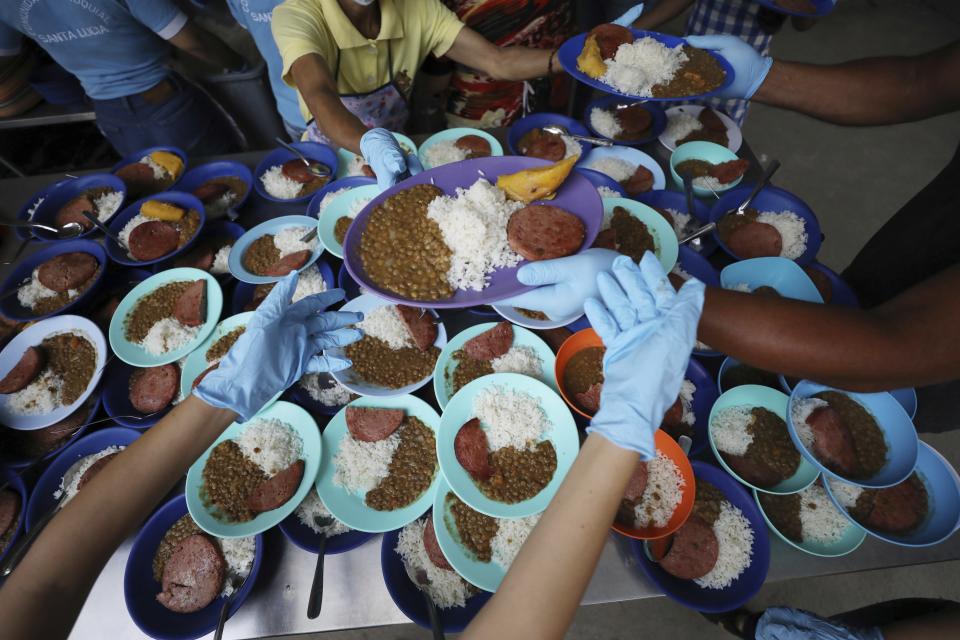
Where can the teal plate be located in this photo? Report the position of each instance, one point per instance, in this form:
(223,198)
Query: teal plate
(298,420)
(350,508)
(136,355)
(852,538)
(496,149)
(666,247)
(197,360)
(752,395)
(345,156)
(337,208)
(562,433)
(446,365)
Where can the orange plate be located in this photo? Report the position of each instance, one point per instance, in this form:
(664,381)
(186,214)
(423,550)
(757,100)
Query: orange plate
(583,339)
(672,450)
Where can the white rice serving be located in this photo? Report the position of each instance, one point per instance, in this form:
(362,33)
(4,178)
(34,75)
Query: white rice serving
(605,122)
(800,410)
(680,124)
(510,418)
(360,466)
(443,152)
(30,294)
(40,397)
(616,168)
(70,482)
(278,185)
(287,240)
(325,390)
(511,534)
(520,359)
(729,430)
(820,520)
(735,542)
(312,507)
(384,323)
(107,204)
(168,334)
(792,230)
(445,587)
(271,444)
(220,260)
(639,66)
(662,495)
(239,554)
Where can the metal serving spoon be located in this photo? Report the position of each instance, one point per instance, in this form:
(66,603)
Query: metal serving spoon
(435,625)
(23,245)
(315,602)
(320,171)
(562,131)
(67,231)
(225,609)
(99,225)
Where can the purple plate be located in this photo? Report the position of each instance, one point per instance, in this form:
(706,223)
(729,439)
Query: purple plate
(576,195)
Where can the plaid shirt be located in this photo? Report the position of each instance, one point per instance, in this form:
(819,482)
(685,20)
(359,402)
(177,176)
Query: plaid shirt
(729,17)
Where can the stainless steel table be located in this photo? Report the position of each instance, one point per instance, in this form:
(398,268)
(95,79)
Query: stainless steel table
(45,114)
(355,595)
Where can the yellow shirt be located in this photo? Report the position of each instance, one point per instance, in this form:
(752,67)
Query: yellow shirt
(412,28)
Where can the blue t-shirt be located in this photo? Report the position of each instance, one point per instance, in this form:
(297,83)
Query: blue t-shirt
(255,16)
(115,47)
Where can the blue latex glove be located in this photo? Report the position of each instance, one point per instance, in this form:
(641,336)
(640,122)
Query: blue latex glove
(781,623)
(281,344)
(648,330)
(629,16)
(749,67)
(383,153)
(564,283)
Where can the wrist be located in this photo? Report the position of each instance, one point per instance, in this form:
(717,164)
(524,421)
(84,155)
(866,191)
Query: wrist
(553,64)
(762,86)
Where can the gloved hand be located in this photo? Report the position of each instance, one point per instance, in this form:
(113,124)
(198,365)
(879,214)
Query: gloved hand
(648,331)
(383,153)
(629,16)
(749,67)
(281,344)
(782,623)
(563,284)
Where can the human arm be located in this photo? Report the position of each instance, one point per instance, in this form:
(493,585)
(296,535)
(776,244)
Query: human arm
(203,45)
(502,63)
(648,331)
(316,85)
(663,12)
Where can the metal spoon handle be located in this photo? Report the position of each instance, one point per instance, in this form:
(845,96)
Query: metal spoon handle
(688,192)
(600,142)
(99,225)
(435,625)
(23,245)
(28,225)
(702,231)
(292,149)
(23,545)
(764,179)
(315,603)
(222,621)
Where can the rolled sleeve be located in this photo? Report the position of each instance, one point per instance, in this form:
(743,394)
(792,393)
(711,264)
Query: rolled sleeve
(297,34)
(11,40)
(443,29)
(162,17)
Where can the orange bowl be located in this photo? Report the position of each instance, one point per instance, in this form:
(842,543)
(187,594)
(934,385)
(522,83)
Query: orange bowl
(583,339)
(672,450)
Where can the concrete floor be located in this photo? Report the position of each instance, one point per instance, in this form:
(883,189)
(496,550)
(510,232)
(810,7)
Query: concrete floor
(854,179)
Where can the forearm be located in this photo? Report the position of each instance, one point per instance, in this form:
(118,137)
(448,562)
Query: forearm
(67,557)
(545,584)
(522,63)
(205,46)
(663,12)
(336,121)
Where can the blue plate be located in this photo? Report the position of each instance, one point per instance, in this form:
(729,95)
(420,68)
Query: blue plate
(218,169)
(34,202)
(598,179)
(562,432)
(9,460)
(34,335)
(271,226)
(409,599)
(570,51)
(140,589)
(675,200)
(823,8)
(340,183)
(16,484)
(42,499)
(899,434)
(752,395)
(213,230)
(184,200)
(136,156)
(539,120)
(842,295)
(698,266)
(308,540)
(734,135)
(346,157)
(657,125)
(702,150)
(853,536)
(116,398)
(510,314)
(337,208)
(346,282)
(496,149)
(9,304)
(943,494)
(301,397)
(907,396)
(304,426)
(196,362)
(446,365)
(66,191)
(770,199)
(243,292)
(311,150)
(730,361)
(627,154)
(665,242)
(783,275)
(350,508)
(348,378)
(703,400)
(135,354)
(686,592)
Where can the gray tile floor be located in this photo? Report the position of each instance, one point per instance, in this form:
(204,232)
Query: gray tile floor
(854,179)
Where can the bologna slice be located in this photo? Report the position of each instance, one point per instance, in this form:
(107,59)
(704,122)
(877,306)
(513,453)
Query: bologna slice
(73,212)
(137,177)
(153,239)
(471,449)
(276,490)
(210,191)
(475,146)
(610,37)
(154,388)
(640,182)
(9,509)
(606,239)
(711,121)
(288,263)
(544,232)
(634,120)
(729,171)
(755,240)
(200,256)
(420,324)
(490,344)
(693,552)
(538,143)
(432,547)
(832,441)
(589,400)
(193,575)
(94,469)
(899,508)
(297,171)
(24,372)
(191,306)
(673,418)
(371,424)
(204,374)
(67,271)
(638,482)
